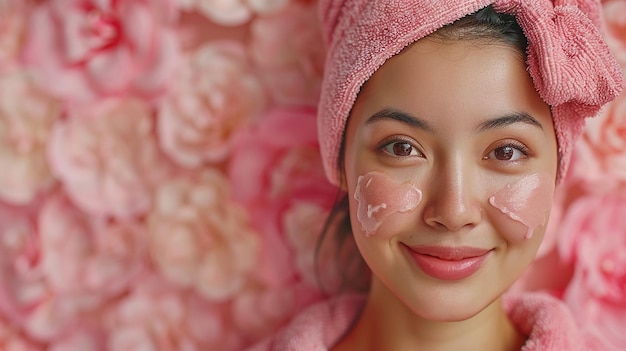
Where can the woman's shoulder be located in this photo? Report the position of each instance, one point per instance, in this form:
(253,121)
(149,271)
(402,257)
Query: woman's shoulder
(548,323)
(316,328)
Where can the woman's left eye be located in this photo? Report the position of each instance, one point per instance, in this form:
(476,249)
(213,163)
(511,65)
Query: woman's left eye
(508,152)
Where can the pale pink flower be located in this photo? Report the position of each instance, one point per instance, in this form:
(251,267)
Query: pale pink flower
(593,238)
(156,317)
(276,165)
(615,28)
(232,12)
(80,338)
(11,339)
(288,49)
(12,16)
(302,223)
(199,238)
(216,93)
(22,284)
(107,157)
(88,49)
(26,117)
(86,257)
(600,155)
(26,299)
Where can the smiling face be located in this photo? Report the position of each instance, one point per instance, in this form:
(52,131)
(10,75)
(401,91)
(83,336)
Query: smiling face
(450,162)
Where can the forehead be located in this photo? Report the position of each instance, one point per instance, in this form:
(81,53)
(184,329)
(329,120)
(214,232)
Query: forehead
(444,80)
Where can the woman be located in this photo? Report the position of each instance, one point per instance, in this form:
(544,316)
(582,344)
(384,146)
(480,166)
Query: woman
(448,125)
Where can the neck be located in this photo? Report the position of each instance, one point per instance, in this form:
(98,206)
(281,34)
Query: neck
(388,324)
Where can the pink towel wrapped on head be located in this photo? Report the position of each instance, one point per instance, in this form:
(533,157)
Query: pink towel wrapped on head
(572,68)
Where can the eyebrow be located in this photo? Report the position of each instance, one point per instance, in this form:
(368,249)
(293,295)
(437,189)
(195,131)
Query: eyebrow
(507,120)
(400,116)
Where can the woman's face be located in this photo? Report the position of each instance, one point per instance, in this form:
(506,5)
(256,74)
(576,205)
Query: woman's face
(450,164)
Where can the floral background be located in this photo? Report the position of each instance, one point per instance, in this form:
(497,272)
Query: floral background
(161,187)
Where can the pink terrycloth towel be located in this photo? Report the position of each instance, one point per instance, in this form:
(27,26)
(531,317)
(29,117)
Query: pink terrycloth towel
(571,66)
(545,321)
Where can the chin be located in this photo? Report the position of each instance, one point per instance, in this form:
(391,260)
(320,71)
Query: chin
(449,307)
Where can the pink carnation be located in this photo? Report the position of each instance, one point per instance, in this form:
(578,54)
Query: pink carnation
(22,284)
(615,28)
(12,340)
(86,258)
(593,237)
(12,14)
(26,117)
(156,317)
(232,12)
(600,155)
(288,49)
(19,246)
(199,238)
(83,337)
(216,93)
(302,224)
(26,299)
(276,165)
(107,158)
(86,49)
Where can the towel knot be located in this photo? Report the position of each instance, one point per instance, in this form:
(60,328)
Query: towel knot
(567,58)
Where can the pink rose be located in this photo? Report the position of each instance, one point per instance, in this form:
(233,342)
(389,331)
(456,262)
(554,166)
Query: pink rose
(215,94)
(156,317)
(199,238)
(107,158)
(87,258)
(232,12)
(276,165)
(87,49)
(288,49)
(593,238)
(26,117)
(615,28)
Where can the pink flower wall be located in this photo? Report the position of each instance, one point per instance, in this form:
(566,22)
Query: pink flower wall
(161,187)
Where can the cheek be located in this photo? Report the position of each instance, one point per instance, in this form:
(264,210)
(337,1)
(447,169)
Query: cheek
(526,202)
(378,197)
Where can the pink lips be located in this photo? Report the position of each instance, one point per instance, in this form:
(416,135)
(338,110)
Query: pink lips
(448,263)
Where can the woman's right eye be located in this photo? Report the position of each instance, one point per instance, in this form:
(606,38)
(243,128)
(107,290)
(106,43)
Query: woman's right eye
(401,149)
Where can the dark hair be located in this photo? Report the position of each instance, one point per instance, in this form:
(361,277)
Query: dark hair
(350,269)
(485,25)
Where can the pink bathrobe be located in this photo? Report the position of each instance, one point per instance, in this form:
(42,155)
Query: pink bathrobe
(545,321)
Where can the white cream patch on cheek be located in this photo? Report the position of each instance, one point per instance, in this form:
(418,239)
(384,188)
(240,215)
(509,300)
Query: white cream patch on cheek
(378,196)
(527,201)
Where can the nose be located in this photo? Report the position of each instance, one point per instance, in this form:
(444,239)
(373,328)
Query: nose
(451,203)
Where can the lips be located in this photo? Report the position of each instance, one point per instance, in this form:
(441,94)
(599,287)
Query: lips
(448,263)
